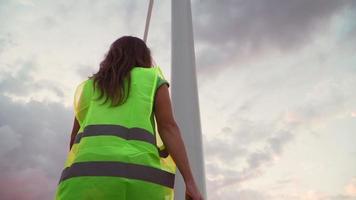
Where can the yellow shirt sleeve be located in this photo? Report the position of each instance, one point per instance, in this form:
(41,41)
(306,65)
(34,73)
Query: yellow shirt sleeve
(82,97)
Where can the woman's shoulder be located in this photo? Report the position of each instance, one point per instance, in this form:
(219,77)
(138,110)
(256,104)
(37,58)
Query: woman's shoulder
(160,77)
(84,85)
(161,81)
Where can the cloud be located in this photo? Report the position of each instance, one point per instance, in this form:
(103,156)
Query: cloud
(246,194)
(19,79)
(35,139)
(240,153)
(288,102)
(29,183)
(6,40)
(351,188)
(10,140)
(228,29)
(283,24)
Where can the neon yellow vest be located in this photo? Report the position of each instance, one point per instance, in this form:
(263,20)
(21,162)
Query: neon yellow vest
(117,154)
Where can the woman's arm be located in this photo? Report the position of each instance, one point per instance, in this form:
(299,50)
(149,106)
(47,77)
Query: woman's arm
(170,133)
(75,130)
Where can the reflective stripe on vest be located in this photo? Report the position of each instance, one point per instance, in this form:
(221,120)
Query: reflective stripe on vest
(120,131)
(121,169)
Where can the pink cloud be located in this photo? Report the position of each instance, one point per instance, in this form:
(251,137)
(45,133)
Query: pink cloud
(28,184)
(351,188)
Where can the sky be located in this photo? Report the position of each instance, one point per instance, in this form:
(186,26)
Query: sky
(275,78)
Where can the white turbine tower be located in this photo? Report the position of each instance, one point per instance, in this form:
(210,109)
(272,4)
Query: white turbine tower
(184,89)
(185,97)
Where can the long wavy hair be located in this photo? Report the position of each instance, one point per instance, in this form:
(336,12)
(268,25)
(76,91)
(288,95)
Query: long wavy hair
(124,54)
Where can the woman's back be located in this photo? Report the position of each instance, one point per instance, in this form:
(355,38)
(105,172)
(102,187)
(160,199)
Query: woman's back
(118,143)
(115,152)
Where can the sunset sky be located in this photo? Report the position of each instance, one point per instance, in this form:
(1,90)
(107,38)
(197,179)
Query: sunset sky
(276,83)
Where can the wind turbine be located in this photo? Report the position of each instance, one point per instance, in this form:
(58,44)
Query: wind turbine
(184,91)
(185,97)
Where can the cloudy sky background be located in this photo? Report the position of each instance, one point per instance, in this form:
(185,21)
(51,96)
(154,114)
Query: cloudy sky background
(276,86)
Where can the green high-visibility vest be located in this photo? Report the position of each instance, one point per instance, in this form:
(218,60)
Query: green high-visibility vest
(117,154)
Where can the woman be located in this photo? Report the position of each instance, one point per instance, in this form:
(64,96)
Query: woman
(114,149)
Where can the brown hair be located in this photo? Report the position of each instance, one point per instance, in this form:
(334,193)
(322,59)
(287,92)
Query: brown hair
(124,54)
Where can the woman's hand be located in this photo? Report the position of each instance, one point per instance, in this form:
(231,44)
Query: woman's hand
(192,192)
